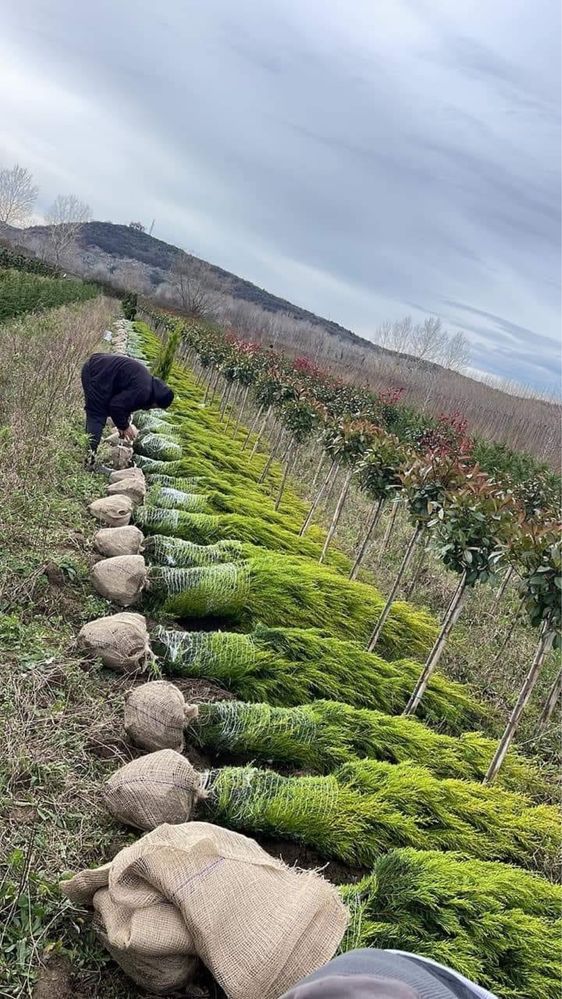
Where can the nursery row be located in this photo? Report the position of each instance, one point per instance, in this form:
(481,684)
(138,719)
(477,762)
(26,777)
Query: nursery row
(21,292)
(317,701)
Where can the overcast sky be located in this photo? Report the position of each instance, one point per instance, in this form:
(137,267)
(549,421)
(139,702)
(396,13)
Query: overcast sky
(364,160)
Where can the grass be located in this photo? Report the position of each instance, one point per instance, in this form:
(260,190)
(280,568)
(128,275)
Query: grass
(53,714)
(62,721)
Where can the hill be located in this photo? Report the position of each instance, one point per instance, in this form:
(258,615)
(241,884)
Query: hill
(126,258)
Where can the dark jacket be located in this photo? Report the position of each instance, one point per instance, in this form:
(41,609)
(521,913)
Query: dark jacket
(115,386)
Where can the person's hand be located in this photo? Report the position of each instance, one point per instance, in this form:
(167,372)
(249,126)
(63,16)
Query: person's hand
(129,434)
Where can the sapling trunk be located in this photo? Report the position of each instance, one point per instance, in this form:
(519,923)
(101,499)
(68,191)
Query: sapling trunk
(451,618)
(371,524)
(225,399)
(337,513)
(318,470)
(216,376)
(231,416)
(272,455)
(314,506)
(499,595)
(507,638)
(389,527)
(416,574)
(252,427)
(388,605)
(243,404)
(289,465)
(260,432)
(545,644)
(550,704)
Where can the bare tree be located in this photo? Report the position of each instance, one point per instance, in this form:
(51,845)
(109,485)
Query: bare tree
(429,339)
(193,293)
(456,353)
(65,216)
(18,194)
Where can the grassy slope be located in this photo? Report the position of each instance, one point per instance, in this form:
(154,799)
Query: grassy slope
(53,714)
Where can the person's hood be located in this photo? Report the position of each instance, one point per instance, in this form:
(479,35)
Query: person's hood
(162,394)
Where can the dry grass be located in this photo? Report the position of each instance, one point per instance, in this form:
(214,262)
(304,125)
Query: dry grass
(52,713)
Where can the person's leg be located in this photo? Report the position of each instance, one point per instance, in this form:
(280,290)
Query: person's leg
(95,422)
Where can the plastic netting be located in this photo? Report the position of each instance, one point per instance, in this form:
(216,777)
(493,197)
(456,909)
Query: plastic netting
(156,466)
(170,498)
(158,521)
(221,590)
(147,419)
(256,800)
(197,653)
(187,484)
(238,726)
(157,446)
(153,424)
(185,554)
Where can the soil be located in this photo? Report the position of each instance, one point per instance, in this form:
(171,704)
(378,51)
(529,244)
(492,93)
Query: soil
(55,981)
(297,855)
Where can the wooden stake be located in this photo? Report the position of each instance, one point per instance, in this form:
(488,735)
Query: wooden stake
(318,470)
(373,521)
(314,506)
(260,433)
(545,642)
(337,514)
(253,426)
(550,704)
(389,527)
(272,455)
(289,465)
(386,609)
(451,618)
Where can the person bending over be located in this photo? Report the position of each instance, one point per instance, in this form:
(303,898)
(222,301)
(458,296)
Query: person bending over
(115,386)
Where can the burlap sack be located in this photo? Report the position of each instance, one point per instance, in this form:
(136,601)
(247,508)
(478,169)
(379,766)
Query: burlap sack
(155,716)
(259,926)
(121,456)
(121,578)
(131,472)
(160,964)
(115,511)
(133,487)
(120,641)
(160,787)
(110,541)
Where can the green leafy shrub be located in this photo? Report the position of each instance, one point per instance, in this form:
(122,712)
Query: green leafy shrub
(22,292)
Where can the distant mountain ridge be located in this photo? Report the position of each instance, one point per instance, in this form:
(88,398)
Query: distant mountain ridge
(97,243)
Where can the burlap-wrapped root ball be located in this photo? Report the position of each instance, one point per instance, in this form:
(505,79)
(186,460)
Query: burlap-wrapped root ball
(121,641)
(121,579)
(160,787)
(121,456)
(133,487)
(155,715)
(132,472)
(115,511)
(111,541)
